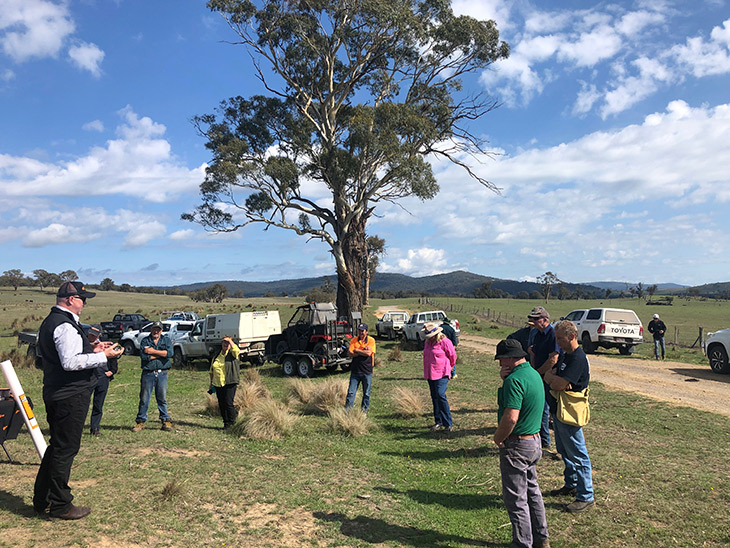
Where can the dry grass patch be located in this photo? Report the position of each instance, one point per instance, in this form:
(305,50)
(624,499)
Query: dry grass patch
(211,406)
(350,422)
(19,358)
(249,393)
(407,402)
(317,398)
(266,420)
(396,354)
(172,490)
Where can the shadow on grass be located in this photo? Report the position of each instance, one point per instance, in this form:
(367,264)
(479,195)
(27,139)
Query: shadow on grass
(377,531)
(404,433)
(453,501)
(15,504)
(463,453)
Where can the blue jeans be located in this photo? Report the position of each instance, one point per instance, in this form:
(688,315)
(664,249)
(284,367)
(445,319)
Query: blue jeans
(571,445)
(441,410)
(355,380)
(521,492)
(657,344)
(150,380)
(97,408)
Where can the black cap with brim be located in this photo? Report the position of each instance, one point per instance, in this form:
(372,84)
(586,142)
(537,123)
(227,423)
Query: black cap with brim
(509,348)
(74,289)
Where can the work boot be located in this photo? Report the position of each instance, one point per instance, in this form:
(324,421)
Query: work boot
(166,426)
(75,512)
(579,505)
(563,491)
(541,543)
(96,433)
(138,427)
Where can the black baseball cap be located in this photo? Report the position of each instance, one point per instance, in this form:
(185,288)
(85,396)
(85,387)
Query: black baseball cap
(74,289)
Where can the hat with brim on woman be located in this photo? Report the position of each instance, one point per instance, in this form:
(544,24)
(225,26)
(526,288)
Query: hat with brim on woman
(431,330)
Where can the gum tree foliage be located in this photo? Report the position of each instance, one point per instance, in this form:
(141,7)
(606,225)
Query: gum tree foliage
(359,93)
(13,277)
(547,281)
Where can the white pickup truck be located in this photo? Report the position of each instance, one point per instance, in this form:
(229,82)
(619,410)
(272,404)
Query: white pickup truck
(717,349)
(390,325)
(131,340)
(608,328)
(413,328)
(204,340)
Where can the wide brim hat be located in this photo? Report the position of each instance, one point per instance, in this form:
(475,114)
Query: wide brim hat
(509,348)
(431,330)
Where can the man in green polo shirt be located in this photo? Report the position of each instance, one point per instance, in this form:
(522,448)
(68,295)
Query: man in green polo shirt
(521,402)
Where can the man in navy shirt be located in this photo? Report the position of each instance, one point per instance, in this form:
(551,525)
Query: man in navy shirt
(573,374)
(544,355)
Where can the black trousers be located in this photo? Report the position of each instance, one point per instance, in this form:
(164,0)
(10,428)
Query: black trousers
(226,394)
(102,386)
(66,420)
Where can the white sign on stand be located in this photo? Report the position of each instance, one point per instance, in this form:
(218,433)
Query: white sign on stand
(30,421)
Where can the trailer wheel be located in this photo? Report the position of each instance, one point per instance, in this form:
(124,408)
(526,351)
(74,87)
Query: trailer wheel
(289,366)
(345,366)
(305,367)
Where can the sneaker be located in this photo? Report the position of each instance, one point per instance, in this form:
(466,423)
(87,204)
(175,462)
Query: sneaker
(448,428)
(563,491)
(437,427)
(138,427)
(579,505)
(166,426)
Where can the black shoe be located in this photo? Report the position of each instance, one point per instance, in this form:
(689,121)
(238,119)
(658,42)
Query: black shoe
(96,433)
(75,512)
(563,491)
(579,506)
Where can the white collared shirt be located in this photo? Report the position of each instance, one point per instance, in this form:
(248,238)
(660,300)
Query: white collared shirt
(70,347)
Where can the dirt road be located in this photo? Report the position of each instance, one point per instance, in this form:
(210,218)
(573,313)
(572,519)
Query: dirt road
(681,383)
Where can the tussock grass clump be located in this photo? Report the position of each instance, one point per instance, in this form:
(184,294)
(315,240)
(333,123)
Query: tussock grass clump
(330,394)
(172,490)
(317,398)
(407,403)
(211,406)
(300,391)
(19,358)
(396,354)
(251,375)
(249,393)
(266,420)
(350,422)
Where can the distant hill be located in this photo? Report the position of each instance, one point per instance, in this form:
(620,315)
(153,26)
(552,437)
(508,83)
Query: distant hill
(714,290)
(455,283)
(622,286)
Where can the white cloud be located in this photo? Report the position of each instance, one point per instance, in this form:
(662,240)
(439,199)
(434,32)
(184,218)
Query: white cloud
(94,125)
(34,28)
(7,75)
(140,160)
(705,58)
(181,235)
(587,96)
(87,57)
(420,262)
(57,233)
(634,22)
(591,47)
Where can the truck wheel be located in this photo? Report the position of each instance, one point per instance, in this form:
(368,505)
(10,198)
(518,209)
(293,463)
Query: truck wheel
(718,359)
(305,367)
(289,366)
(626,350)
(588,346)
(178,360)
(129,348)
(345,366)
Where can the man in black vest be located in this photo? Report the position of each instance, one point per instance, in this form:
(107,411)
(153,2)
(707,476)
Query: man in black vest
(69,377)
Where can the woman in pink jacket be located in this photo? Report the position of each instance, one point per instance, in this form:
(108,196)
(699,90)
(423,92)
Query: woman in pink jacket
(439,357)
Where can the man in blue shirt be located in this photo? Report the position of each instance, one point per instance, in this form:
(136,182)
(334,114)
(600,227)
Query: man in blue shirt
(155,351)
(544,355)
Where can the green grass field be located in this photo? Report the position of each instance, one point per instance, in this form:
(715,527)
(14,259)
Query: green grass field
(660,471)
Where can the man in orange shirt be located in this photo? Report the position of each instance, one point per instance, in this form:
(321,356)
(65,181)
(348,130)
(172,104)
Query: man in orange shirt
(362,349)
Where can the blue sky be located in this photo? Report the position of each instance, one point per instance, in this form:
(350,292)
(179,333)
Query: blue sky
(611,148)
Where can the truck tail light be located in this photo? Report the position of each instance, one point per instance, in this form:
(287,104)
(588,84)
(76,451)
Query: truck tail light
(457,323)
(601,328)
(641,331)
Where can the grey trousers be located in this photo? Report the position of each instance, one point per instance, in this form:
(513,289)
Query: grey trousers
(520,491)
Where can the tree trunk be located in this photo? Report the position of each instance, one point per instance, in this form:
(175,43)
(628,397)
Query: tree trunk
(366,282)
(350,269)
